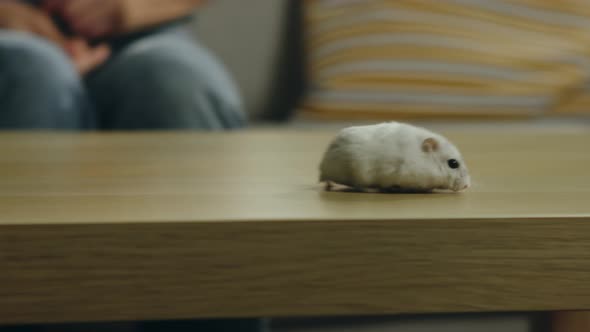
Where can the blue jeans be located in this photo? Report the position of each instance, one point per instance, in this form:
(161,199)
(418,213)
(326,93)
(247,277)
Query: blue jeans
(163,80)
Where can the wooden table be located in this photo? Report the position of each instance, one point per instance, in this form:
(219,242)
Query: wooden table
(97,227)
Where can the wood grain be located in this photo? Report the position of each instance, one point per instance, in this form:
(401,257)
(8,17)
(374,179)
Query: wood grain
(98,227)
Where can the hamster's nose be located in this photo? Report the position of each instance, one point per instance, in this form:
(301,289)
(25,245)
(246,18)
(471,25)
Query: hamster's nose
(465,187)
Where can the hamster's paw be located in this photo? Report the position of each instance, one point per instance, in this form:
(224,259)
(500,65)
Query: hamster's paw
(328,186)
(400,190)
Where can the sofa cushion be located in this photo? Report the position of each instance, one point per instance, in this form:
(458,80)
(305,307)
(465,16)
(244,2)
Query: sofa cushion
(456,58)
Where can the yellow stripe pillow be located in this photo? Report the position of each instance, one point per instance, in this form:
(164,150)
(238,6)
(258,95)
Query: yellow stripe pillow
(396,58)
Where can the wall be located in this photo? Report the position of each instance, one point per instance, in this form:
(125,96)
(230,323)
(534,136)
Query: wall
(246,36)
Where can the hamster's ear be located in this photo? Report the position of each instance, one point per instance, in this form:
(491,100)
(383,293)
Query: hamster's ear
(430,145)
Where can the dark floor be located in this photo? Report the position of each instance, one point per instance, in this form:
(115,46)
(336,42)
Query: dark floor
(513,322)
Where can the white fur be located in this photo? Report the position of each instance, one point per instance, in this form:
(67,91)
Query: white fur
(390,155)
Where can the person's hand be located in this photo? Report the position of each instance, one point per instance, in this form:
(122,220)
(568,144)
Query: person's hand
(90,18)
(18,16)
(86,57)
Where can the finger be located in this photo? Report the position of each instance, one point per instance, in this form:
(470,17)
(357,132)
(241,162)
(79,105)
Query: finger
(96,57)
(22,27)
(44,27)
(92,58)
(76,47)
(101,53)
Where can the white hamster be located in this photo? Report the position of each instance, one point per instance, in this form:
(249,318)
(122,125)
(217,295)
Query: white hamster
(393,155)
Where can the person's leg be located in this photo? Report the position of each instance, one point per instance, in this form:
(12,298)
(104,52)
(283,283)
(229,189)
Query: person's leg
(39,88)
(165,81)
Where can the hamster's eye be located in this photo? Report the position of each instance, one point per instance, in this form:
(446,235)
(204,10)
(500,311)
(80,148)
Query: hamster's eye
(453,163)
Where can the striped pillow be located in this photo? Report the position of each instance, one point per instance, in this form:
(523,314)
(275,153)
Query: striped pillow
(466,58)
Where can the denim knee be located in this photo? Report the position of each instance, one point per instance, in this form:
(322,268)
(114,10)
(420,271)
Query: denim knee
(39,86)
(166,82)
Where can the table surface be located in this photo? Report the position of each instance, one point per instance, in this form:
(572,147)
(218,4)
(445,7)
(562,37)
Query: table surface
(116,226)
